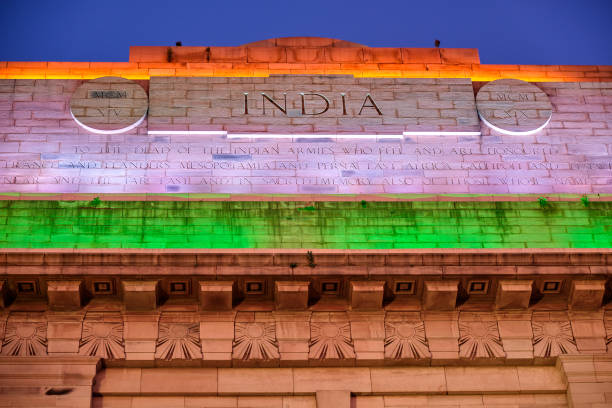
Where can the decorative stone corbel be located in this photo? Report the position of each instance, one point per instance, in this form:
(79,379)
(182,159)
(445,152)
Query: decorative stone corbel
(291,295)
(366,294)
(587,294)
(513,294)
(440,295)
(216,295)
(65,295)
(140,295)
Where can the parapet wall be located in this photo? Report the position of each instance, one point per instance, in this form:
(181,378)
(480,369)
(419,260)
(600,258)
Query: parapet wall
(304,55)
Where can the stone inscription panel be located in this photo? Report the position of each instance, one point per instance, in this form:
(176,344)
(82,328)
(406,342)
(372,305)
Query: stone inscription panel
(215,164)
(309,103)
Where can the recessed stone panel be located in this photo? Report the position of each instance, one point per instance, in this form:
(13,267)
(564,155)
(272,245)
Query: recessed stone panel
(320,104)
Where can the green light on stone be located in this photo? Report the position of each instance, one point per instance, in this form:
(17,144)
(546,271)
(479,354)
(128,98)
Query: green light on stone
(285,224)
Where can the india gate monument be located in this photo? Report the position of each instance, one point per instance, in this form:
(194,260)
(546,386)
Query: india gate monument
(305,222)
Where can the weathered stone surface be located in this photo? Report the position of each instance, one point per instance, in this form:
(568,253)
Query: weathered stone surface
(65,295)
(291,295)
(366,294)
(513,294)
(109,105)
(440,295)
(48,382)
(587,294)
(140,295)
(333,399)
(216,295)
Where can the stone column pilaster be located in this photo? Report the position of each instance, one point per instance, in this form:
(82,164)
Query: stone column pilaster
(368,332)
(589,379)
(442,332)
(516,335)
(589,331)
(293,335)
(140,335)
(64,333)
(217,336)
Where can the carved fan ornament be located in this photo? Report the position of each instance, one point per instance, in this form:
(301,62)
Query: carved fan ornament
(406,340)
(178,341)
(25,339)
(330,341)
(480,339)
(551,339)
(102,339)
(255,341)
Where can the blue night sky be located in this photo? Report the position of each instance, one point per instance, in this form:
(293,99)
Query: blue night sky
(505,32)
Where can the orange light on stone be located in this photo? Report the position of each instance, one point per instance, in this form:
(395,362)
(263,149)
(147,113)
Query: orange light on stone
(144,71)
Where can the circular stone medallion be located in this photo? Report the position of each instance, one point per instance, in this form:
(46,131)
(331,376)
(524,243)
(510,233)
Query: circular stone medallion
(109,105)
(513,107)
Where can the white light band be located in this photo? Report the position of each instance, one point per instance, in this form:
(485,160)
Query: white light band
(305,135)
(512,133)
(441,133)
(187,132)
(108,132)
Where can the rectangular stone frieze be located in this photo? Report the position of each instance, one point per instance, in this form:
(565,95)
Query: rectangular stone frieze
(297,339)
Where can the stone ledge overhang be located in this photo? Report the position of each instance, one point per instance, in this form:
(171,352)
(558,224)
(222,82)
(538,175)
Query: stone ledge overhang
(317,280)
(360,260)
(50,370)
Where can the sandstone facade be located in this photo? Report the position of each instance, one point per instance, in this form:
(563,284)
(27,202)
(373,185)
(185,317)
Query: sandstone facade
(305,223)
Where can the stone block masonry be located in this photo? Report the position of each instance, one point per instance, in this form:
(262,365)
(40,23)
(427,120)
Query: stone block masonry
(44,150)
(281,231)
(308,104)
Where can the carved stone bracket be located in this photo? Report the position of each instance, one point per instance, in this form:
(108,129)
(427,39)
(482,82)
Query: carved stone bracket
(587,294)
(140,295)
(216,295)
(291,295)
(366,294)
(65,295)
(513,294)
(440,295)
